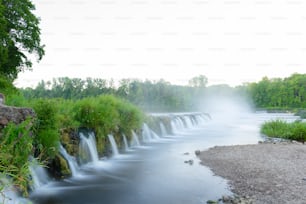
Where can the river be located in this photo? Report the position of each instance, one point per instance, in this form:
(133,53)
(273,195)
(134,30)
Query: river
(162,171)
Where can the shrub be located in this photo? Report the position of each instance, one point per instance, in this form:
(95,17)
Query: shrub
(282,129)
(46,128)
(7,87)
(16,147)
(107,114)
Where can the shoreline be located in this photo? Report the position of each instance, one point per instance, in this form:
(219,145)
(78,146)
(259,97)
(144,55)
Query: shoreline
(264,173)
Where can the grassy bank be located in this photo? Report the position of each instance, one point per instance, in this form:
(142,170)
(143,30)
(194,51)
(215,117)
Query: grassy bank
(282,129)
(56,120)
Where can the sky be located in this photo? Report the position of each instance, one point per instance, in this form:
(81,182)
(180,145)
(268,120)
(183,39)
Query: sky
(228,41)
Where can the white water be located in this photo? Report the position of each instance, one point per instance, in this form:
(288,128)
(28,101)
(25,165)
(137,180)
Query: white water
(159,175)
(88,147)
(113,145)
(73,165)
(135,140)
(188,122)
(39,174)
(163,129)
(126,146)
(8,194)
(146,133)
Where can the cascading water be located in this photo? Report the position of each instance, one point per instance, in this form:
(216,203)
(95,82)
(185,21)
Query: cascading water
(88,148)
(126,146)
(146,133)
(163,129)
(154,135)
(73,165)
(188,121)
(8,193)
(135,141)
(38,173)
(179,123)
(113,145)
(173,127)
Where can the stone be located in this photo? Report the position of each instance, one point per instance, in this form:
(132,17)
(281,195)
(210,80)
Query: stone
(2,99)
(14,114)
(197,152)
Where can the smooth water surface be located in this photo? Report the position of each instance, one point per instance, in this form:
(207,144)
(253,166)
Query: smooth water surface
(159,173)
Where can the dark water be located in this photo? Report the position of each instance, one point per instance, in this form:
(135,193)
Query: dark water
(157,172)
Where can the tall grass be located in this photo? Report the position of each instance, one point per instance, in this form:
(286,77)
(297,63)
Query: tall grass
(282,129)
(15,147)
(47,135)
(107,114)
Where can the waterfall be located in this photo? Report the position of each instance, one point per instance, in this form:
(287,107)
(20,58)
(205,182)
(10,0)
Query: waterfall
(73,165)
(173,127)
(188,121)
(135,141)
(146,133)
(8,194)
(88,148)
(113,145)
(181,123)
(38,173)
(154,135)
(126,146)
(163,129)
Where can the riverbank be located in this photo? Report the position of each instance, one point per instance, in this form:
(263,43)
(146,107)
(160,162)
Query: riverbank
(266,173)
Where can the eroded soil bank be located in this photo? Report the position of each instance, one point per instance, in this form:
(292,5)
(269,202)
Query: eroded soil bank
(267,173)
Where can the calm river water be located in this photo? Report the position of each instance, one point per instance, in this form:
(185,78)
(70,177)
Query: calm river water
(156,173)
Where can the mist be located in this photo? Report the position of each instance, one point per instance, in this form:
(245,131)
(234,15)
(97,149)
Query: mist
(225,106)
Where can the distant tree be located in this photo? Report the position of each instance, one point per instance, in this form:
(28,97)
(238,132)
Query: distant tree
(198,81)
(19,37)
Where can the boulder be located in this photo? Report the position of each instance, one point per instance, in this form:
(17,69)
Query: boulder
(14,114)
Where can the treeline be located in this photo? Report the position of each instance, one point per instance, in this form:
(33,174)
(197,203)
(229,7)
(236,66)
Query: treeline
(284,93)
(152,96)
(275,93)
(148,95)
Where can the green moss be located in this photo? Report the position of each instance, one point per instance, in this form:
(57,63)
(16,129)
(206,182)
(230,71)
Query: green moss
(64,167)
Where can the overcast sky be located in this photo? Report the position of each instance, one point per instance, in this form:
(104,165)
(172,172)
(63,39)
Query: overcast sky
(228,41)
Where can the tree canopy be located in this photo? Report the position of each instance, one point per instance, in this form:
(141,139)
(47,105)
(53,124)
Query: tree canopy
(19,37)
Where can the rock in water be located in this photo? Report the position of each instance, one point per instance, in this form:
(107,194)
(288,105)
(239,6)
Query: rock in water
(197,152)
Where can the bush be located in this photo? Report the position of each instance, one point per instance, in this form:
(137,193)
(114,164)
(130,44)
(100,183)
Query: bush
(46,128)
(282,129)
(7,87)
(107,115)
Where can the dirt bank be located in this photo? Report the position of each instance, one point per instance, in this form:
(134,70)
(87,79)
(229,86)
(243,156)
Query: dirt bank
(268,173)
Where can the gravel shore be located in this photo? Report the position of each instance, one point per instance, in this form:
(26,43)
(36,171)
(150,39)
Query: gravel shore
(267,173)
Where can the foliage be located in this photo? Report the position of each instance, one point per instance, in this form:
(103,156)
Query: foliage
(148,95)
(46,128)
(282,93)
(6,86)
(107,114)
(66,114)
(16,147)
(20,36)
(282,129)
(198,81)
